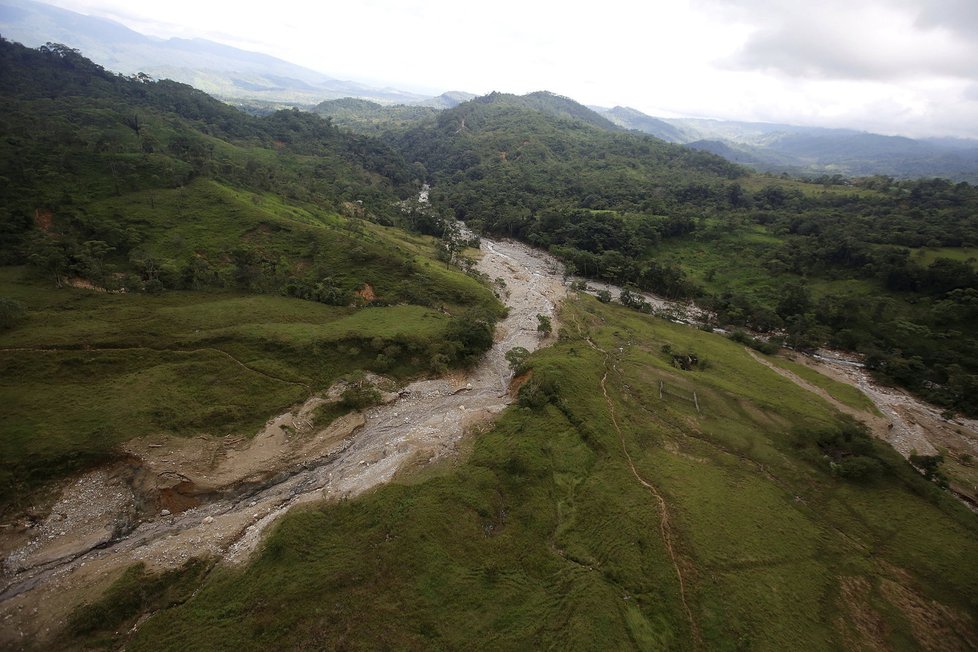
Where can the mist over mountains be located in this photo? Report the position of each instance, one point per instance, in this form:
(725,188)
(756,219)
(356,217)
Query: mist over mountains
(220,70)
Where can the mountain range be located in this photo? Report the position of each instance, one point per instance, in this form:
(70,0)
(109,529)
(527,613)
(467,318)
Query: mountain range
(774,147)
(256,81)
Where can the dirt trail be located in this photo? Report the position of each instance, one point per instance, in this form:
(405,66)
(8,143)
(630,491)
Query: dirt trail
(665,527)
(220,495)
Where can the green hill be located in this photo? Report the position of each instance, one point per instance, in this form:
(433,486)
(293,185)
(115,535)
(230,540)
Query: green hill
(210,240)
(830,261)
(363,116)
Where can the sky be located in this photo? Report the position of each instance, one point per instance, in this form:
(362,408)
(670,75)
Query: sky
(906,67)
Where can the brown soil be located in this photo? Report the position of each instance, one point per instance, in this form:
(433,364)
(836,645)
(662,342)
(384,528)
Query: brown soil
(366,293)
(44,220)
(936,627)
(861,625)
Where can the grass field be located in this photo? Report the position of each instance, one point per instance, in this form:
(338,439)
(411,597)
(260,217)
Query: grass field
(846,394)
(88,370)
(925,257)
(546,535)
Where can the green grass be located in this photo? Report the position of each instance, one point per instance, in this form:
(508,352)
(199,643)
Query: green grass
(718,265)
(87,371)
(846,394)
(925,257)
(757,182)
(543,537)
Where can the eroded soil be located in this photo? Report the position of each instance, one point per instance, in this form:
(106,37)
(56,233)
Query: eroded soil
(174,499)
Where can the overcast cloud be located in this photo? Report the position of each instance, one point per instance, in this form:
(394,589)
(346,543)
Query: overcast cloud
(891,66)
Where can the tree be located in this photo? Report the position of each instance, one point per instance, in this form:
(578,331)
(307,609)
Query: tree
(795,300)
(451,242)
(516,357)
(929,465)
(544,326)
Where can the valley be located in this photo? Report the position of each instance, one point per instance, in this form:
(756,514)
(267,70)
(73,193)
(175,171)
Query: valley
(216,498)
(491,374)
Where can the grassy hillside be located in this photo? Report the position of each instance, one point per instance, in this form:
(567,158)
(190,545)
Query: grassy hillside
(625,504)
(168,264)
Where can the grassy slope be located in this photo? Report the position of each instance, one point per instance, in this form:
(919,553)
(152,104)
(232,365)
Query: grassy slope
(544,537)
(925,257)
(846,394)
(209,362)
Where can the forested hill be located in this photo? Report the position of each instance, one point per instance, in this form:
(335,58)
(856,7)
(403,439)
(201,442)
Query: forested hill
(875,265)
(501,159)
(77,135)
(59,81)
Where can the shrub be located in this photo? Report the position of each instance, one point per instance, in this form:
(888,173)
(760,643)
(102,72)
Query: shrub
(858,467)
(516,357)
(538,392)
(929,465)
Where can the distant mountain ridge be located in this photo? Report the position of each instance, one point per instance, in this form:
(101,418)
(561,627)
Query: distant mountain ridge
(212,67)
(261,83)
(811,150)
(629,118)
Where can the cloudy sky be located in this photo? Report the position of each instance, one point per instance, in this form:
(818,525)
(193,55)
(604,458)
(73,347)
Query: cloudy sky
(891,66)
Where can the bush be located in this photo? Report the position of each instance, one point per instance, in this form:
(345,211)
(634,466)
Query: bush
(538,392)
(858,467)
(359,396)
(516,357)
(929,465)
(768,347)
